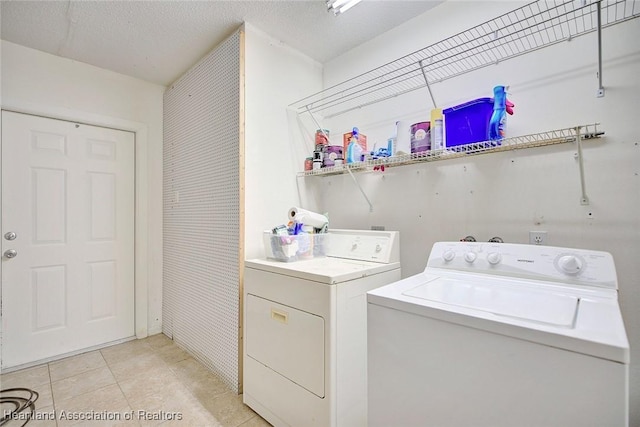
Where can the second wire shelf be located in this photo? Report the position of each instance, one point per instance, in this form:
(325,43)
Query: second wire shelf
(523,30)
(541,139)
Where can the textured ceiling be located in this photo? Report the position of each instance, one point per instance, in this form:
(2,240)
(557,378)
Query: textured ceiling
(157,41)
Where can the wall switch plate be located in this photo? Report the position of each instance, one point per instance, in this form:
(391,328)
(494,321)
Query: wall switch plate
(538,237)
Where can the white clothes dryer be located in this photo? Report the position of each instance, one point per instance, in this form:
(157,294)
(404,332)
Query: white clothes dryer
(305,346)
(500,335)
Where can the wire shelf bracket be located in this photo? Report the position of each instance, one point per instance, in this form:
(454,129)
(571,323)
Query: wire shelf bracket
(600,92)
(584,200)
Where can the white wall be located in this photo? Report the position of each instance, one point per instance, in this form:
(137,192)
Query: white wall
(275,76)
(40,83)
(508,194)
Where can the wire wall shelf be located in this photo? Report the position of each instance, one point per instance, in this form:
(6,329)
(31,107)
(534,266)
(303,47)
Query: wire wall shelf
(542,139)
(526,29)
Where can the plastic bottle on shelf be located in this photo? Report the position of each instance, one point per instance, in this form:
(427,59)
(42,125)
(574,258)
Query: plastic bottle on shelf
(437,130)
(501,107)
(403,137)
(392,142)
(354,150)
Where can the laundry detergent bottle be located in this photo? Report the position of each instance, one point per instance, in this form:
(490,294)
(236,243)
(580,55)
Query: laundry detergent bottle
(501,106)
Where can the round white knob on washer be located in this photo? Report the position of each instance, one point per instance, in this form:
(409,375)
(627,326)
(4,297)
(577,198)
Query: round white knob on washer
(378,247)
(448,255)
(570,264)
(470,257)
(494,258)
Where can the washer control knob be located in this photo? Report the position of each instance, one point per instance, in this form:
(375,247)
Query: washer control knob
(448,255)
(378,247)
(570,264)
(470,257)
(494,258)
(354,246)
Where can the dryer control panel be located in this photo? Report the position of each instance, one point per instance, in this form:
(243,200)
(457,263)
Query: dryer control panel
(565,265)
(365,245)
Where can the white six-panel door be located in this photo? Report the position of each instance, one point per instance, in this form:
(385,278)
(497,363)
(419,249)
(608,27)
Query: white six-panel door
(68,195)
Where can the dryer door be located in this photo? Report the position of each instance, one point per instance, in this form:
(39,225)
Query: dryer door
(287,340)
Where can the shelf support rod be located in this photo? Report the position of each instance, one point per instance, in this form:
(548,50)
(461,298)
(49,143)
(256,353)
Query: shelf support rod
(347,167)
(426,80)
(359,188)
(317,124)
(600,87)
(584,200)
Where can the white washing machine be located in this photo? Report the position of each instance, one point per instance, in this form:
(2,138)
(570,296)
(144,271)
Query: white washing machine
(305,330)
(500,335)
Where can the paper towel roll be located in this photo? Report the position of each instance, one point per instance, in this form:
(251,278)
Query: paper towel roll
(307,217)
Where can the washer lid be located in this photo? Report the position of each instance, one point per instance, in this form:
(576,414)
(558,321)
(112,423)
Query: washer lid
(580,319)
(528,304)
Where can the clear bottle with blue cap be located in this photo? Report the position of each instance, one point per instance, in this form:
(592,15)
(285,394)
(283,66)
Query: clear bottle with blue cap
(354,150)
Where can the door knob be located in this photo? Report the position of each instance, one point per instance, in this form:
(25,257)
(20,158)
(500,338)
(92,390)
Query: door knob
(10,235)
(10,253)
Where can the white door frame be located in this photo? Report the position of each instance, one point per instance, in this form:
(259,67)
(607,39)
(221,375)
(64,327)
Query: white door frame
(141,193)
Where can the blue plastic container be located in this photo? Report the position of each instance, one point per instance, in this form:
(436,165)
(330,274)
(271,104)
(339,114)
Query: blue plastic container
(467,123)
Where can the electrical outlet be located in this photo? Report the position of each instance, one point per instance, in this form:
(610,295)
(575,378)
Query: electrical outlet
(377,227)
(538,237)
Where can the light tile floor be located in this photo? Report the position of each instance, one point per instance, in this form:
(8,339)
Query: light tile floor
(145,382)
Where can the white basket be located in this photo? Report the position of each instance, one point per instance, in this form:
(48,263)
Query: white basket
(294,248)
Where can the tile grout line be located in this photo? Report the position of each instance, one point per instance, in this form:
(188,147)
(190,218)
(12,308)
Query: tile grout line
(53,399)
(116,382)
(228,390)
(85,393)
(120,388)
(188,389)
